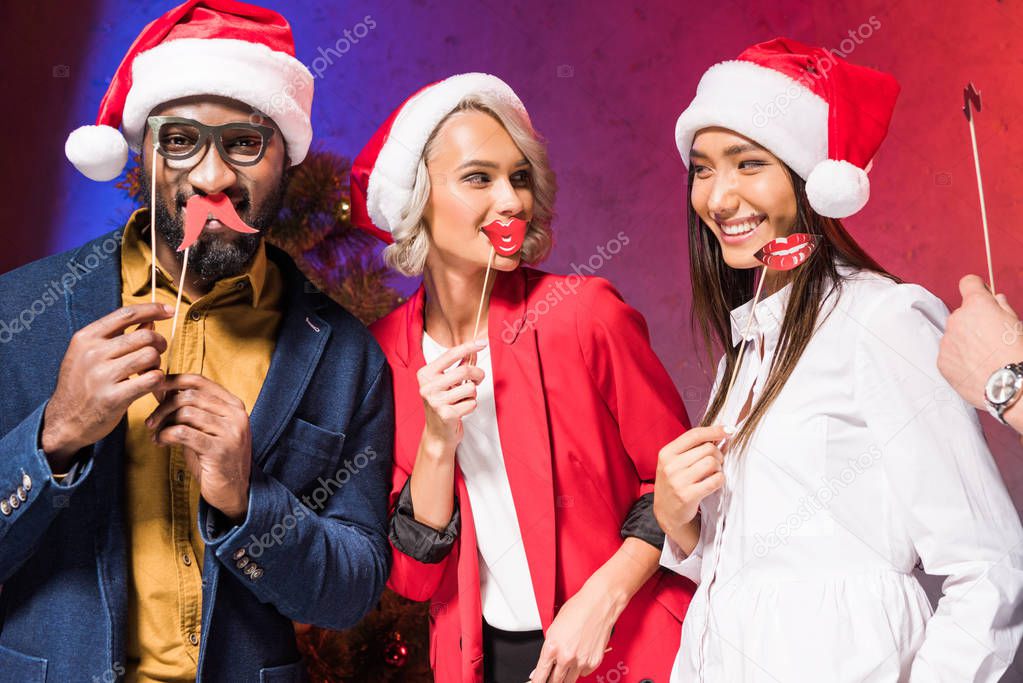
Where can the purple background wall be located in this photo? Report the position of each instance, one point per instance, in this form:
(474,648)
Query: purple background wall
(604,81)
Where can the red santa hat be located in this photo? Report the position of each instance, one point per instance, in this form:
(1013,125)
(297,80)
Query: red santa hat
(824,117)
(384,173)
(201,47)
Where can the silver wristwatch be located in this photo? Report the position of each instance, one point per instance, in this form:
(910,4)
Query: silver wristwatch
(1003,389)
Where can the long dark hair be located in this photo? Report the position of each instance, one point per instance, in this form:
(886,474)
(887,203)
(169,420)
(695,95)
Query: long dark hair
(718,288)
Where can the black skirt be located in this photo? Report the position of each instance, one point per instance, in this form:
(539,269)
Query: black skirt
(509,656)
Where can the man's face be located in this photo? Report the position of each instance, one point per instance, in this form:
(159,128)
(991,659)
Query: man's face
(256,192)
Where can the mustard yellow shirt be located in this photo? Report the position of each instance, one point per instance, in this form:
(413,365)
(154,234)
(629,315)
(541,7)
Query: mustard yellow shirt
(228,336)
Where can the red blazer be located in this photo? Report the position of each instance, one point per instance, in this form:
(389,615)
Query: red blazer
(583,407)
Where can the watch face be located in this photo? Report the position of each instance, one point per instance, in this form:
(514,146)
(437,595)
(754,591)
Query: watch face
(1001,387)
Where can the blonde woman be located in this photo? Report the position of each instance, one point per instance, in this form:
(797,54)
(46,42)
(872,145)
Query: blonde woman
(523,479)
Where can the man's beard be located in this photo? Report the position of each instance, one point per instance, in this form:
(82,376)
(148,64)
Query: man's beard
(213,258)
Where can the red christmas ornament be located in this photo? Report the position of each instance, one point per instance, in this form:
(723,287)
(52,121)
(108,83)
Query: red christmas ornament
(396,651)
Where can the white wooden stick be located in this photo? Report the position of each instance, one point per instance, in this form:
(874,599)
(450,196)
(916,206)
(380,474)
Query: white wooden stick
(745,335)
(177,305)
(983,210)
(483,295)
(152,227)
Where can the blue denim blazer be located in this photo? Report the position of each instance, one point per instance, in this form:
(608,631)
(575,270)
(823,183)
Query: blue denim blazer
(316,528)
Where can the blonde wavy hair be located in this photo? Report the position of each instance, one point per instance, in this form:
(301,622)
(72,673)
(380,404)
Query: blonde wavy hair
(411,244)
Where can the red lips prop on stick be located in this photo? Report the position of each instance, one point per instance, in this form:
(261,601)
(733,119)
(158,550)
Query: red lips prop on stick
(507,237)
(971,101)
(506,240)
(783,253)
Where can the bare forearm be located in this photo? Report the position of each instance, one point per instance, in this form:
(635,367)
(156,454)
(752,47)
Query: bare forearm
(627,570)
(687,536)
(433,484)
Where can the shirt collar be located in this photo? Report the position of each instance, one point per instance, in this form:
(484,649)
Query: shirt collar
(767,318)
(136,256)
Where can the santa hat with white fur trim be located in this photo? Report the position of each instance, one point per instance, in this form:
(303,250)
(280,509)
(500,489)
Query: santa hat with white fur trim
(384,173)
(822,116)
(201,47)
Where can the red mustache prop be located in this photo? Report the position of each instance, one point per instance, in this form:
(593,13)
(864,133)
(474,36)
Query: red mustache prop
(198,210)
(507,237)
(785,253)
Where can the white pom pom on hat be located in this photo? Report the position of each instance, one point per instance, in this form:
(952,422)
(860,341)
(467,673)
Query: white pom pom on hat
(201,47)
(99,152)
(837,189)
(821,115)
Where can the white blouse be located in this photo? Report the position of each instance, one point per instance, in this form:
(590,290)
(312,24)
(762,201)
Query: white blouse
(866,463)
(506,586)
